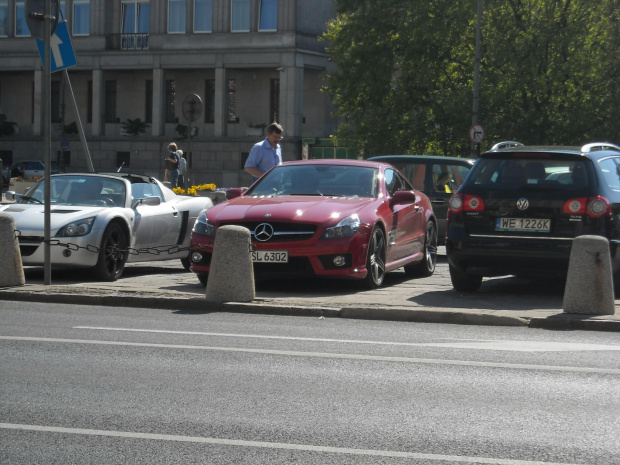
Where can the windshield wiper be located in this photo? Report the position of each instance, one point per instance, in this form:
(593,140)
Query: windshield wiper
(25,197)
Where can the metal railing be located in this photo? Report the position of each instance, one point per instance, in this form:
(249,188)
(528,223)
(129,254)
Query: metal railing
(128,42)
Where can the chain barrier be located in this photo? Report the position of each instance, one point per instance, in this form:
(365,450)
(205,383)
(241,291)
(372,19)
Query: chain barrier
(94,249)
(130,250)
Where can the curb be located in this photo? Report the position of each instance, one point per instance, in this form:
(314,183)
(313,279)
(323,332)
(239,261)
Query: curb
(191,304)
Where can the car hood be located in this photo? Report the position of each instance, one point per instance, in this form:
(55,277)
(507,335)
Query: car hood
(310,209)
(30,218)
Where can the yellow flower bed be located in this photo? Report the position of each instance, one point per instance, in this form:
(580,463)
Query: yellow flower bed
(194,189)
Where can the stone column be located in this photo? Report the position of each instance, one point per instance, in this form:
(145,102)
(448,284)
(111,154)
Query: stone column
(98,103)
(221,102)
(157,127)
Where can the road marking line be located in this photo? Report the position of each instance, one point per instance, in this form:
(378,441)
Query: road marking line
(513,346)
(609,371)
(271,445)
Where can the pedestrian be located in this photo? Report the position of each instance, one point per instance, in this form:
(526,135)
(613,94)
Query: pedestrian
(172,166)
(265,154)
(182,168)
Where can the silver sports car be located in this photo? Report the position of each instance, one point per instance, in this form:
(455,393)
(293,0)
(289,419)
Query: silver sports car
(102,221)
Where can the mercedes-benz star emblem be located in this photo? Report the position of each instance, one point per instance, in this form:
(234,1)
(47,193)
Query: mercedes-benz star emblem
(523,204)
(263,232)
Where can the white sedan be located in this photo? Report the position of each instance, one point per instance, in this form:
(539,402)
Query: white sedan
(102,221)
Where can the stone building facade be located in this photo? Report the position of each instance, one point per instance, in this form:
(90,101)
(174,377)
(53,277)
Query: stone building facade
(230,66)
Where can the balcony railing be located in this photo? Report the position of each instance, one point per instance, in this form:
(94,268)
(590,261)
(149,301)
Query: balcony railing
(128,41)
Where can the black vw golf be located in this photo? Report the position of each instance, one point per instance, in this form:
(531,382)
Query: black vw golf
(520,208)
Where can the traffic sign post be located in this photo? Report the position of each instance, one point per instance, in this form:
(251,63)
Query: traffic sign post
(476,136)
(61,49)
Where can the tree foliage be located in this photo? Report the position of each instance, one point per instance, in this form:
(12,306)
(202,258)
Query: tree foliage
(404,76)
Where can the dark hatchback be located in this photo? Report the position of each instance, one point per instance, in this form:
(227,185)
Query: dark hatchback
(438,177)
(520,208)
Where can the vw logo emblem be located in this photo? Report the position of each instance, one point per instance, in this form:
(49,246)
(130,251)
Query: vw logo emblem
(523,204)
(263,232)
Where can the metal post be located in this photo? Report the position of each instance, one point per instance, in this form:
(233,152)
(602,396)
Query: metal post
(474,116)
(89,160)
(47,133)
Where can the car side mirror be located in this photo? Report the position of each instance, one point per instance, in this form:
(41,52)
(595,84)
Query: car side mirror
(402,197)
(234,192)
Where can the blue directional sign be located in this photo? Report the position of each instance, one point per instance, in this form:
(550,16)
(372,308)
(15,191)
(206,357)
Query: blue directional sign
(63,55)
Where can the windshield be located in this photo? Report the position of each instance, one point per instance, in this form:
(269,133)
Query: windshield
(318,179)
(81,190)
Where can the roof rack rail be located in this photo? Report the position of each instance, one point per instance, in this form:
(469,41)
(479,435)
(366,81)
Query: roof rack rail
(506,144)
(599,146)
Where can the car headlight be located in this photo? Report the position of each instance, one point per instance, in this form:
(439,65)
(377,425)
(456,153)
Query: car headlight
(202,226)
(345,228)
(77,228)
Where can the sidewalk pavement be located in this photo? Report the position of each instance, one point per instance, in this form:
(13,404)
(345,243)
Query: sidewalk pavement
(505,301)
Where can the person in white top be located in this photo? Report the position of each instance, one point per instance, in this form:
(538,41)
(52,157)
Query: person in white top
(182,167)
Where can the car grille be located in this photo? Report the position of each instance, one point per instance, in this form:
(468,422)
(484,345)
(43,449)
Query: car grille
(29,244)
(282,232)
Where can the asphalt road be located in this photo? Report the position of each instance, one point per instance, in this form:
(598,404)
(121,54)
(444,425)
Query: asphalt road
(89,384)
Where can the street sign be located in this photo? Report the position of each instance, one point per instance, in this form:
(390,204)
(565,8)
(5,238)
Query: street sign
(476,133)
(64,143)
(63,55)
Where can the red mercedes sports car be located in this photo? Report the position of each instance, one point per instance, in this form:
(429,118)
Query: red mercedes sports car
(329,218)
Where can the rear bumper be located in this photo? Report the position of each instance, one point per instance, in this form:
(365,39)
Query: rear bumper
(496,256)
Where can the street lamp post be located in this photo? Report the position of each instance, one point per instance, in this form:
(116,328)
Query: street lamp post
(475,147)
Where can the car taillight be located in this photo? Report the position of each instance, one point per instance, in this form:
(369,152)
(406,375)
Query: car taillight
(594,206)
(473,203)
(456,203)
(575,206)
(469,203)
(598,206)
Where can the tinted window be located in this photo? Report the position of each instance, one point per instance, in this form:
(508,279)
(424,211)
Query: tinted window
(610,169)
(533,172)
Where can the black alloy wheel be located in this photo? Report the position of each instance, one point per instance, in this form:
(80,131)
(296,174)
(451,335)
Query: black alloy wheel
(112,254)
(426,267)
(375,260)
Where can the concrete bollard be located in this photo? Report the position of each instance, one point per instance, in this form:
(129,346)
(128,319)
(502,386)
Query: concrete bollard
(231,277)
(11,268)
(589,285)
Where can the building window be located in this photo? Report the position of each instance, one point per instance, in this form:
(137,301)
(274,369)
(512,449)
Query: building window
(89,103)
(55,102)
(209,103)
(232,101)
(176,16)
(4,18)
(81,17)
(123,159)
(136,17)
(240,15)
(170,101)
(148,101)
(110,102)
(21,28)
(268,15)
(203,15)
(274,100)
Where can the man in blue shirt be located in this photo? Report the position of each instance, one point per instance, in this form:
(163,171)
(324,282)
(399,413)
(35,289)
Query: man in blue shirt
(266,154)
(172,166)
